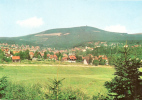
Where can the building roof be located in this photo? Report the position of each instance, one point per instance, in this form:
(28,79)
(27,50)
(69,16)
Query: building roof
(15,57)
(64,58)
(72,57)
(48,55)
(15,52)
(103,57)
(31,53)
(42,54)
(53,56)
(8,55)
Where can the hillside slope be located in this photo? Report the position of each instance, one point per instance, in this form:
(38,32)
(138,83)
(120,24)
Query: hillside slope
(70,37)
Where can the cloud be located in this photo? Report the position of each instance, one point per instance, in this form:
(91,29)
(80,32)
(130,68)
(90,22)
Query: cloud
(116,28)
(31,22)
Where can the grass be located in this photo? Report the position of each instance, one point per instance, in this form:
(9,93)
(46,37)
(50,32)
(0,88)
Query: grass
(88,79)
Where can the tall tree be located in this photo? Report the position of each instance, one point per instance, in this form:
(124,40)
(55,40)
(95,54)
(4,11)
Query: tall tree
(36,54)
(126,84)
(59,55)
(1,56)
(45,55)
(27,55)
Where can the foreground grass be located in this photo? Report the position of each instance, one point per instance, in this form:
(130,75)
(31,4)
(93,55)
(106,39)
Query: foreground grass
(90,80)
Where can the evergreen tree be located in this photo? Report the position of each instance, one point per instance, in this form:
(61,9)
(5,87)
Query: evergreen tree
(126,84)
(22,55)
(27,55)
(79,58)
(90,59)
(36,54)
(1,56)
(96,62)
(45,55)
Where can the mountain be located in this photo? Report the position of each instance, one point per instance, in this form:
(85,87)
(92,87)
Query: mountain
(69,37)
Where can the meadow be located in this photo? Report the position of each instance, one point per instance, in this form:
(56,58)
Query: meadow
(89,79)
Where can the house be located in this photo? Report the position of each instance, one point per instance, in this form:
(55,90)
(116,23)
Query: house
(15,58)
(31,54)
(42,54)
(72,58)
(53,57)
(64,58)
(104,58)
(48,56)
(65,55)
(7,51)
(14,52)
(89,59)
(8,55)
(95,58)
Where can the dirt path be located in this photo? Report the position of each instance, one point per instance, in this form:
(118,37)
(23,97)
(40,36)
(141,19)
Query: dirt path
(55,65)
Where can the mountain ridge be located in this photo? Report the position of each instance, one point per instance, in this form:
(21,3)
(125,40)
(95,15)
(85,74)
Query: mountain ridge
(70,37)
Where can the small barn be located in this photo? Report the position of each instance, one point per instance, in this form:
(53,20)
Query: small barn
(15,58)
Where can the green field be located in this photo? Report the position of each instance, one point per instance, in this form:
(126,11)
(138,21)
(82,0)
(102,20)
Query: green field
(88,79)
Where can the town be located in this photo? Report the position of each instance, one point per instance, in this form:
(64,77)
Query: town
(91,53)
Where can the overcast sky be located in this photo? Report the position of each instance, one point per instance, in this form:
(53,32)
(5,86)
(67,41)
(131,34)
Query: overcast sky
(23,17)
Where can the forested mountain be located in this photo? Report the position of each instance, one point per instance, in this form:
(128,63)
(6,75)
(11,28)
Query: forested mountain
(69,37)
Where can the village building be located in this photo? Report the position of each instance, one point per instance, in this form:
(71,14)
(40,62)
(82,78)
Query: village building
(31,54)
(42,54)
(104,58)
(64,58)
(48,56)
(9,55)
(14,52)
(53,57)
(72,58)
(15,58)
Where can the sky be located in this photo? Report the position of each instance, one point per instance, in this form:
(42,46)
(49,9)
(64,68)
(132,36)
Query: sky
(24,17)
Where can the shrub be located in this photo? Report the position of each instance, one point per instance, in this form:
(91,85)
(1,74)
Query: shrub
(102,62)
(7,59)
(96,62)
(74,94)
(21,92)
(54,89)
(102,97)
(3,85)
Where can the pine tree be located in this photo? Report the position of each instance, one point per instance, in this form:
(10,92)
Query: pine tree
(126,84)
(45,55)
(27,56)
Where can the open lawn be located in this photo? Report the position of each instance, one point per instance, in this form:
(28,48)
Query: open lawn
(89,79)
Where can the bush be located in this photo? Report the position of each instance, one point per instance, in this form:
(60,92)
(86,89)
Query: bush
(74,94)
(102,62)
(7,59)
(3,85)
(102,97)
(96,62)
(21,92)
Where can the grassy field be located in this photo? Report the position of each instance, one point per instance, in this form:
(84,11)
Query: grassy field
(86,78)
